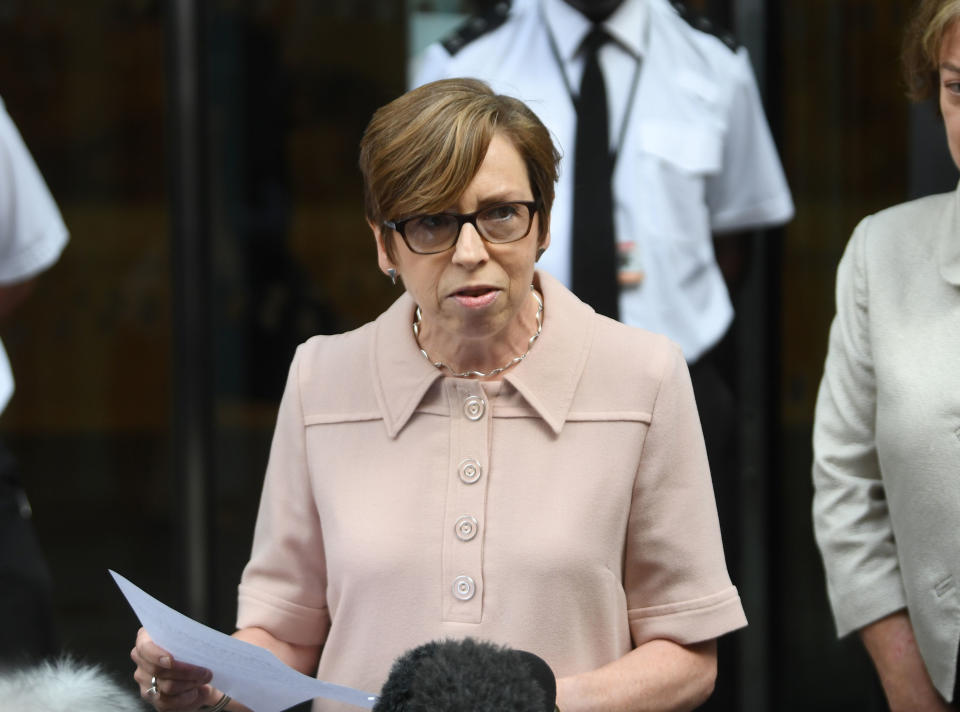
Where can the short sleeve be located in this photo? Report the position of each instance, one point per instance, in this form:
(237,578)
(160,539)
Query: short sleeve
(283,587)
(675,576)
(850,512)
(750,191)
(32,233)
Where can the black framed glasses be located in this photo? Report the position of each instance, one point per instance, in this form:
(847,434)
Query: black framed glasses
(499,223)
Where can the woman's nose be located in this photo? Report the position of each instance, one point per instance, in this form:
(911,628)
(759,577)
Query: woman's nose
(471,249)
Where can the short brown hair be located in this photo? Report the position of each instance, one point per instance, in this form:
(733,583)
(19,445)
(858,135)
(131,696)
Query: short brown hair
(420,151)
(922,44)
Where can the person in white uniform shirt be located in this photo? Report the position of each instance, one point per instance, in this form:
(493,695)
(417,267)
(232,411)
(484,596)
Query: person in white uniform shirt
(695,164)
(695,156)
(32,235)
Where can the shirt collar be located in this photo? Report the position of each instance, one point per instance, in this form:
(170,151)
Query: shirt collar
(627,25)
(547,378)
(950,243)
(400,372)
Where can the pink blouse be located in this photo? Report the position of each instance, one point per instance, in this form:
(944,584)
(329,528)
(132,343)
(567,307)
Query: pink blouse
(570,514)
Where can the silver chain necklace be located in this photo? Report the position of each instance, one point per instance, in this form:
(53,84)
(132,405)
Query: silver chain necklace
(480,374)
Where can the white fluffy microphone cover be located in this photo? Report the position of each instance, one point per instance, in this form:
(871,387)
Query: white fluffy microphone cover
(64,685)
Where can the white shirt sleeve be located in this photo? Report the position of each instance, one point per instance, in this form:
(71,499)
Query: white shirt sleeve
(32,233)
(751,190)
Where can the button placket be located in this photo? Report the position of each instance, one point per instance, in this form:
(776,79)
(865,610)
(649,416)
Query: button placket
(462,574)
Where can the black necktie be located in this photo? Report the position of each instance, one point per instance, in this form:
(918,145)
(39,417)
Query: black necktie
(594,267)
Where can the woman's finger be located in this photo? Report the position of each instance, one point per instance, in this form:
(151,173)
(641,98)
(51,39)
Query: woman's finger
(190,699)
(154,660)
(174,688)
(173,697)
(149,652)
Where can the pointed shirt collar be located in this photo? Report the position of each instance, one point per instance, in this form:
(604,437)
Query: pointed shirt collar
(547,379)
(627,25)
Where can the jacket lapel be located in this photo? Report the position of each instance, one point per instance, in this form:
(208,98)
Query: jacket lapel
(949,248)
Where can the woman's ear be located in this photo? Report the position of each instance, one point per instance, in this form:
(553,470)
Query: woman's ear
(544,244)
(383,259)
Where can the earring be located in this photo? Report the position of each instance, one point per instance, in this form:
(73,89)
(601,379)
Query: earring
(392,274)
(540,253)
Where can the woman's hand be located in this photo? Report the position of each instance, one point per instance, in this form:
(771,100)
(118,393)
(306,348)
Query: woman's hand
(167,684)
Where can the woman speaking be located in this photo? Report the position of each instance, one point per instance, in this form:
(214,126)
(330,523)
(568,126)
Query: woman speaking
(488,459)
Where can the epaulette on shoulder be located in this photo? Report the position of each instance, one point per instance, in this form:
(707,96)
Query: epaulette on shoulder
(477,26)
(704,24)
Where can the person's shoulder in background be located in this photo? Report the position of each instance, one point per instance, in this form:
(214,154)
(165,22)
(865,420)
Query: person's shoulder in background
(898,236)
(702,26)
(697,43)
(478,42)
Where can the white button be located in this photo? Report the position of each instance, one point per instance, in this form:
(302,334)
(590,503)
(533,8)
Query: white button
(464,588)
(466,528)
(473,407)
(469,471)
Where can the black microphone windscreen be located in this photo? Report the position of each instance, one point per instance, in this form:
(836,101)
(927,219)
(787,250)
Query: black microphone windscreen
(542,675)
(457,675)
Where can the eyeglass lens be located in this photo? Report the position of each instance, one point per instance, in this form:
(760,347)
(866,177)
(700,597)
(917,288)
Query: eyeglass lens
(504,222)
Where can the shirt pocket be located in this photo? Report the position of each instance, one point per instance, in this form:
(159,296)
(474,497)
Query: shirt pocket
(688,148)
(674,161)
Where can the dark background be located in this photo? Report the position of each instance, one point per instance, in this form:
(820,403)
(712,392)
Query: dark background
(285,89)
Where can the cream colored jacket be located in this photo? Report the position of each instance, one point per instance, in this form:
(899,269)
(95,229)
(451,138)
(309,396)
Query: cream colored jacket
(568,512)
(887,430)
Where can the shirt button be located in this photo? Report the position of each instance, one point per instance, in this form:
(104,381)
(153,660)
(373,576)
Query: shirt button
(466,528)
(464,588)
(469,471)
(473,407)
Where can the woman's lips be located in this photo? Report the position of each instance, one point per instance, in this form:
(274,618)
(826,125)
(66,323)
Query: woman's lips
(476,298)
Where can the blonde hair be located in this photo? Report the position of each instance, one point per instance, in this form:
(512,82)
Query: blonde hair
(420,151)
(922,44)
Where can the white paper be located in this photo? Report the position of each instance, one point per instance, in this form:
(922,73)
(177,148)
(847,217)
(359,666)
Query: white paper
(251,675)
